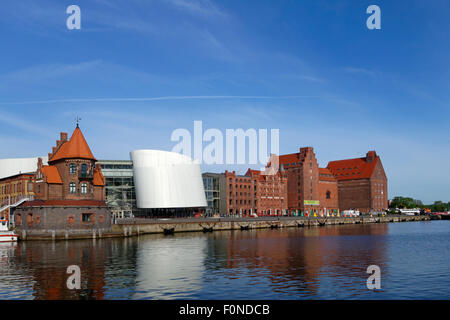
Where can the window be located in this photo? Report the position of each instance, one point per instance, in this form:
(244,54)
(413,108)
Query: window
(72,187)
(84,188)
(86,217)
(84,170)
(328,195)
(73,168)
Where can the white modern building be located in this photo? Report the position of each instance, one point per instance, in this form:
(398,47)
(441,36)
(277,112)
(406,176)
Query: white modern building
(11,167)
(167,182)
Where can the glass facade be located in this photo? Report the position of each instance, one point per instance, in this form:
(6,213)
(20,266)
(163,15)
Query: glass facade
(120,193)
(211,185)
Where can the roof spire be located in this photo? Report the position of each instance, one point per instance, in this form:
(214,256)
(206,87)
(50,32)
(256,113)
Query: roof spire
(77,119)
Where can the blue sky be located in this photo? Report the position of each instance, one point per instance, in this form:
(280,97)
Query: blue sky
(139,69)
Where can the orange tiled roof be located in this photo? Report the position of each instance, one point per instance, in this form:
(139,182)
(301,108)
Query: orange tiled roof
(326,175)
(76,147)
(98,178)
(351,169)
(288,158)
(52,174)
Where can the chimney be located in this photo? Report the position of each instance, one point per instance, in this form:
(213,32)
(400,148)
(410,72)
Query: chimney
(39,164)
(370,156)
(63,137)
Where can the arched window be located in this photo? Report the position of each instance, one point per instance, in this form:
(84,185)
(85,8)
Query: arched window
(72,187)
(73,168)
(84,188)
(84,170)
(328,195)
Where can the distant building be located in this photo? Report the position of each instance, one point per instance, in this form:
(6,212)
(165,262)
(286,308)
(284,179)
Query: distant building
(253,193)
(362,183)
(213,184)
(310,189)
(13,190)
(12,167)
(69,192)
(119,185)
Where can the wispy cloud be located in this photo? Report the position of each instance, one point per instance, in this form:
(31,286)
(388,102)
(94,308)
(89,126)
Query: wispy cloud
(144,99)
(48,71)
(23,124)
(362,71)
(198,7)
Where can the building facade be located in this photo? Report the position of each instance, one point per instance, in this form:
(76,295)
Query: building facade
(168,184)
(69,192)
(311,190)
(255,192)
(362,183)
(213,184)
(119,186)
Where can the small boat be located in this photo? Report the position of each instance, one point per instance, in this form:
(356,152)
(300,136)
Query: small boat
(5,234)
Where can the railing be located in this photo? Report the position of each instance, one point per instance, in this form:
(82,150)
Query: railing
(86,175)
(15,201)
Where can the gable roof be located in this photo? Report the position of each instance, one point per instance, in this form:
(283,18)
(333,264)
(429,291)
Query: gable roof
(52,174)
(350,169)
(75,148)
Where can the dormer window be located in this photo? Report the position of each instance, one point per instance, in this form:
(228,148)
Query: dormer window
(73,168)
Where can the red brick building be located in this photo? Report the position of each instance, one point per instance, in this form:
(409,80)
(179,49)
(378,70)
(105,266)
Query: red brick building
(310,189)
(14,189)
(362,183)
(69,192)
(255,192)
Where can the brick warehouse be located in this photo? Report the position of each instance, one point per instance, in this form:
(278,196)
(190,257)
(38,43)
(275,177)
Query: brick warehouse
(69,192)
(362,183)
(310,189)
(254,192)
(359,184)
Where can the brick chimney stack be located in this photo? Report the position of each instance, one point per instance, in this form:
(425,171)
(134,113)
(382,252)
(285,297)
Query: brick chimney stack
(370,156)
(63,137)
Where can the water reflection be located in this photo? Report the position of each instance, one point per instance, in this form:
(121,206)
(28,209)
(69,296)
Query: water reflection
(320,262)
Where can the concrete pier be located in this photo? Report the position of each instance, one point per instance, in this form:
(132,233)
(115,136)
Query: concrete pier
(134,227)
(152,226)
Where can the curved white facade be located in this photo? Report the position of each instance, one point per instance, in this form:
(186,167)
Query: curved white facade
(167,180)
(11,167)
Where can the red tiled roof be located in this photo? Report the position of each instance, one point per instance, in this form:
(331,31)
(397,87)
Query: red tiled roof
(350,169)
(288,158)
(98,178)
(64,203)
(52,174)
(326,175)
(76,147)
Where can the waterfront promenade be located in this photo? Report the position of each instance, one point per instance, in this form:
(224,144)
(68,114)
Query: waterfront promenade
(138,226)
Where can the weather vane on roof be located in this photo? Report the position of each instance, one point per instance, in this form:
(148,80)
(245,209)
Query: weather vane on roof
(77,119)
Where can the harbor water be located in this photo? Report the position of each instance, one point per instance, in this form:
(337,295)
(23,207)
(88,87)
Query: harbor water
(328,262)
